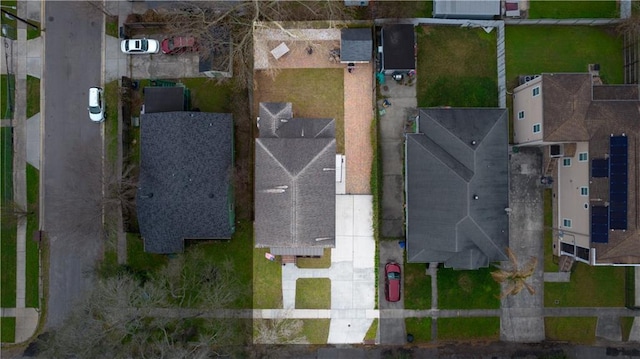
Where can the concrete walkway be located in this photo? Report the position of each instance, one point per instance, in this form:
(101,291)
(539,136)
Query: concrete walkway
(24,58)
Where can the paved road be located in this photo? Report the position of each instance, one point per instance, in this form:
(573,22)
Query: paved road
(72,148)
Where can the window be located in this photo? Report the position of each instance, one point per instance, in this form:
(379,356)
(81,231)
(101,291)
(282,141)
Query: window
(583,156)
(566,162)
(520,115)
(566,222)
(584,191)
(536,128)
(536,91)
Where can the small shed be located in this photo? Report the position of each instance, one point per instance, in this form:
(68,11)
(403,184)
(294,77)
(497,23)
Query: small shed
(356,45)
(466,9)
(164,99)
(398,48)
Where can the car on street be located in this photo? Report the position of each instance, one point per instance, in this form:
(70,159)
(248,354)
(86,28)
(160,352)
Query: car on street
(96,104)
(140,46)
(392,282)
(178,44)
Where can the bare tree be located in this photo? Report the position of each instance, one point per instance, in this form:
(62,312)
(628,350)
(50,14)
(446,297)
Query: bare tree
(12,213)
(279,331)
(515,276)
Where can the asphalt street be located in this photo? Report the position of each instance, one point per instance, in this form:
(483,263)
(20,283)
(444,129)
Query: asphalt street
(72,152)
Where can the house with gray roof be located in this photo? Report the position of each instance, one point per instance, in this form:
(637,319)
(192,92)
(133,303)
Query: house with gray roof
(294,182)
(185,189)
(356,45)
(457,187)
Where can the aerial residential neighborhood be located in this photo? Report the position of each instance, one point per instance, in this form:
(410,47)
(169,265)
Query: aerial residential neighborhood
(320,179)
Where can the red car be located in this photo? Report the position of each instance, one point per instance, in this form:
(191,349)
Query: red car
(178,45)
(392,282)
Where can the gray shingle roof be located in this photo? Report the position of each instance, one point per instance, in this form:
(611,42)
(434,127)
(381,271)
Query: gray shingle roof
(295,180)
(398,46)
(444,171)
(185,186)
(466,9)
(356,45)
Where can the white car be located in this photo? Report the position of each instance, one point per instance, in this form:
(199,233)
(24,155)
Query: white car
(140,46)
(96,105)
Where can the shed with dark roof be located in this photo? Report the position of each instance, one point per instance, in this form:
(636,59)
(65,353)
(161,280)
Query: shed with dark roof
(185,189)
(457,188)
(398,48)
(164,99)
(356,45)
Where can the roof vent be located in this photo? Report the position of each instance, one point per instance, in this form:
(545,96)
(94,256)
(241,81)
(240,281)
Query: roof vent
(473,142)
(475,197)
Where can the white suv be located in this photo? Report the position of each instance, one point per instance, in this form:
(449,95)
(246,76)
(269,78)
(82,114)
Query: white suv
(96,105)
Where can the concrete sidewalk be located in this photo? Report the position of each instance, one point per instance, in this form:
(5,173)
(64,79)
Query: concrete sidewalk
(23,57)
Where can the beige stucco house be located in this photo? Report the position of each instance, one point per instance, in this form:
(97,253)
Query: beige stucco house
(589,133)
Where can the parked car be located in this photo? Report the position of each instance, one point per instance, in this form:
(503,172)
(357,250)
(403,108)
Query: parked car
(392,282)
(178,45)
(96,105)
(140,46)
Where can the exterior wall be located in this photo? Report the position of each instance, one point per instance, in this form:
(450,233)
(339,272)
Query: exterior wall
(525,102)
(571,201)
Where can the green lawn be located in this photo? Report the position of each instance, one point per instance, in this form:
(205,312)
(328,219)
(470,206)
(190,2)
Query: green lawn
(313,293)
(456,67)
(111,26)
(625,325)
(373,330)
(417,286)
(32,32)
(7,329)
(550,261)
(267,281)
(12,23)
(456,287)
(201,94)
(32,295)
(314,93)
(547,9)
(396,9)
(322,262)
(138,260)
(589,287)
(8,267)
(33,95)
(577,330)
(316,330)
(240,251)
(537,49)
(420,328)
(7,89)
(111,93)
(468,328)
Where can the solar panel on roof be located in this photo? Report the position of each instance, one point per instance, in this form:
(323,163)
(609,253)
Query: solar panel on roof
(599,168)
(618,182)
(599,224)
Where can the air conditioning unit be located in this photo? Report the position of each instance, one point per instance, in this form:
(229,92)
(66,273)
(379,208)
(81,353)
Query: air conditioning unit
(556,151)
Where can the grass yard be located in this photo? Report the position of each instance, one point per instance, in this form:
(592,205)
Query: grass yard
(373,330)
(111,95)
(456,67)
(313,293)
(32,285)
(577,330)
(316,330)
(201,94)
(625,325)
(550,261)
(111,26)
(8,266)
(314,93)
(138,260)
(547,9)
(565,49)
(7,329)
(589,287)
(420,328)
(7,89)
(33,96)
(267,281)
(468,328)
(240,251)
(417,286)
(455,287)
(32,32)
(322,262)
(395,9)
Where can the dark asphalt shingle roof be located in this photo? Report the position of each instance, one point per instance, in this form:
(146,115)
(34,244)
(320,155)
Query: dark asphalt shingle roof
(398,46)
(184,187)
(444,171)
(163,99)
(356,45)
(294,180)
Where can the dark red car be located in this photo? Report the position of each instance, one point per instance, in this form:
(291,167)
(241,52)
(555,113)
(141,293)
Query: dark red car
(392,282)
(178,45)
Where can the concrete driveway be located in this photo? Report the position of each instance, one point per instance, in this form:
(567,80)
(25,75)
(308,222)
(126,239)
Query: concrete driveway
(391,330)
